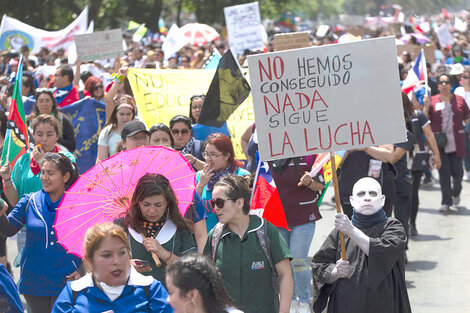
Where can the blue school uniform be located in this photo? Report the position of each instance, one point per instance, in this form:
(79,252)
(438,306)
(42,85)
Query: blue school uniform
(44,263)
(9,298)
(141,294)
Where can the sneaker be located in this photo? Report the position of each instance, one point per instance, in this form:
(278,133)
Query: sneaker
(428,181)
(467,177)
(294,306)
(455,200)
(444,209)
(413,230)
(303,307)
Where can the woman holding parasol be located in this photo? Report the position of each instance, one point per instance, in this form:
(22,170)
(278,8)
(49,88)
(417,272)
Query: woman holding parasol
(45,264)
(157,231)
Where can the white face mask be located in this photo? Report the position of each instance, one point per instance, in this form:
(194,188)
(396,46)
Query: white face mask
(113,292)
(367,196)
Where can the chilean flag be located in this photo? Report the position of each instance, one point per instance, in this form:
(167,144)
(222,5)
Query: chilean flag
(265,200)
(416,75)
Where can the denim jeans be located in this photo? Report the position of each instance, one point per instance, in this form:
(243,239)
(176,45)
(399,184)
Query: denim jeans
(299,240)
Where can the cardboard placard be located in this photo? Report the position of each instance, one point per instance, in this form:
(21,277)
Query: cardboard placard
(327,98)
(99,45)
(291,41)
(415,49)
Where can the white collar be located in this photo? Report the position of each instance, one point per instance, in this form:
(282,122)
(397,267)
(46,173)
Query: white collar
(135,279)
(164,235)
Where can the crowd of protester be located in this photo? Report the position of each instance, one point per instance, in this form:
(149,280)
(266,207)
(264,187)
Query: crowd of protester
(243,252)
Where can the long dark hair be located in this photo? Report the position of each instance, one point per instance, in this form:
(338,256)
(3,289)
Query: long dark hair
(151,185)
(121,102)
(196,271)
(54,111)
(63,164)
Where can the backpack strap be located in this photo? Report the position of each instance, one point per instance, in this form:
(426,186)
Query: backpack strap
(265,243)
(216,235)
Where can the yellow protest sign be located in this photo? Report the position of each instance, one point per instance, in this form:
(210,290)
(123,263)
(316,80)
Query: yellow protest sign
(162,94)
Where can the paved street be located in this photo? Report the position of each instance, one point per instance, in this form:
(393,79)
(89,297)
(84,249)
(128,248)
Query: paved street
(437,274)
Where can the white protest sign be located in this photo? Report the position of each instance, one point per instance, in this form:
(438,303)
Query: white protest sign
(243,27)
(99,45)
(327,98)
(444,35)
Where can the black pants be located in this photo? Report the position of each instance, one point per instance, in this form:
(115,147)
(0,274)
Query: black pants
(451,167)
(402,203)
(415,195)
(39,304)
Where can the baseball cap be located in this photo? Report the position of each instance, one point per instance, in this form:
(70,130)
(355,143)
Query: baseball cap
(133,127)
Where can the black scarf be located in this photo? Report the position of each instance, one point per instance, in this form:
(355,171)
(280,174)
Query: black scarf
(363,221)
(153,228)
(188,148)
(217,176)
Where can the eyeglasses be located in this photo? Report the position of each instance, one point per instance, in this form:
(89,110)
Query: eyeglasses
(97,87)
(219,202)
(177,131)
(466,77)
(206,155)
(444,82)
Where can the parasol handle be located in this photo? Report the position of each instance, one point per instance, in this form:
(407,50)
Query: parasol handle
(154,256)
(338,203)
(156,259)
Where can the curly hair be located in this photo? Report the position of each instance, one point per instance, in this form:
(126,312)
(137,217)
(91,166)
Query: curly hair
(196,271)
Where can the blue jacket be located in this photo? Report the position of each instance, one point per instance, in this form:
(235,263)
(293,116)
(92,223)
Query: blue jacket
(134,298)
(9,298)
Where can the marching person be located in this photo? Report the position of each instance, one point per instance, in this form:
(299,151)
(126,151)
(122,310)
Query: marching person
(45,264)
(372,278)
(111,284)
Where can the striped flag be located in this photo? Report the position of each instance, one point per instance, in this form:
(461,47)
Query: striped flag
(16,139)
(416,75)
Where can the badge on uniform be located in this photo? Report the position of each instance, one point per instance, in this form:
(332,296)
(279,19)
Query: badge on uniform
(257,265)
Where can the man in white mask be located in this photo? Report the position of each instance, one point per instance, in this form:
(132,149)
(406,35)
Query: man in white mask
(372,278)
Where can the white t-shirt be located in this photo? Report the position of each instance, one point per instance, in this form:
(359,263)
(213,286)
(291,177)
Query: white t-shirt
(459,91)
(109,140)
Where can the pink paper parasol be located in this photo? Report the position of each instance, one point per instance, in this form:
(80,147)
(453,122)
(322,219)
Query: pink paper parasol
(104,192)
(199,34)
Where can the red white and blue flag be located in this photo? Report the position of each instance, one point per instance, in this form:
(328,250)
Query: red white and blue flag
(265,200)
(416,75)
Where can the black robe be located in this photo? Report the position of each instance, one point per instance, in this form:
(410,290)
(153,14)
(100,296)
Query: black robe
(378,280)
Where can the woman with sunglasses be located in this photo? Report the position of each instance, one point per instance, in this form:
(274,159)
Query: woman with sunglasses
(94,87)
(46,104)
(156,227)
(185,142)
(45,264)
(110,135)
(200,132)
(246,263)
(220,161)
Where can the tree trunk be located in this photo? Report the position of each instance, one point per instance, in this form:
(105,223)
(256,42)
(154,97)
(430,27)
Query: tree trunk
(152,20)
(178,13)
(93,11)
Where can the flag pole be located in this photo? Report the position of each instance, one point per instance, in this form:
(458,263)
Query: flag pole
(425,73)
(338,204)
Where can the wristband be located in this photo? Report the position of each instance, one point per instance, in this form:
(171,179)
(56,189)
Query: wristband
(117,78)
(171,254)
(308,185)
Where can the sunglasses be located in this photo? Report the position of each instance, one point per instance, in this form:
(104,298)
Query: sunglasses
(466,77)
(444,82)
(219,202)
(97,87)
(177,131)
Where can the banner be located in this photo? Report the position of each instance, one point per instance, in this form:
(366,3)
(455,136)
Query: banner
(14,34)
(328,98)
(88,117)
(244,27)
(99,45)
(162,94)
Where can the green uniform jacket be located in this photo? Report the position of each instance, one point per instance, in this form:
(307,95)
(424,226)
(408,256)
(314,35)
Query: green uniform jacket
(179,242)
(245,268)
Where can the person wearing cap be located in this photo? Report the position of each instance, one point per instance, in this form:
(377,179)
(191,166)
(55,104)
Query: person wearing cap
(457,56)
(134,134)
